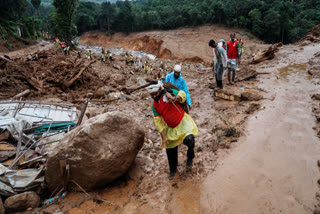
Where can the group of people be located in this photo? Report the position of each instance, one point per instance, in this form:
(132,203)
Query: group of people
(105,55)
(174,123)
(128,58)
(171,120)
(226,57)
(65,47)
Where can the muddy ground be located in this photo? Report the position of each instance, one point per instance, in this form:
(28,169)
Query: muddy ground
(247,161)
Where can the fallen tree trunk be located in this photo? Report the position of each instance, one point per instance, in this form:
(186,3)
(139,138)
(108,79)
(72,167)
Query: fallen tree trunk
(73,79)
(266,54)
(25,92)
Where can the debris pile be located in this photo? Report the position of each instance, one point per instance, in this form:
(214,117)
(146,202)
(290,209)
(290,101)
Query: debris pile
(47,73)
(313,35)
(27,131)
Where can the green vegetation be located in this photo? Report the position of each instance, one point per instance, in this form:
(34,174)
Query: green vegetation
(12,15)
(64,26)
(272,21)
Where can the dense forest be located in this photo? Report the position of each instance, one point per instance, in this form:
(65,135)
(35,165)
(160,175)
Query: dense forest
(272,21)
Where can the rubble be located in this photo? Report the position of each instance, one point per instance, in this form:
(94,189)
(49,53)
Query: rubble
(96,152)
(22,202)
(313,35)
(101,149)
(47,74)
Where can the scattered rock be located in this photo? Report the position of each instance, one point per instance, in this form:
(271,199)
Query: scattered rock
(21,202)
(116,67)
(316,96)
(92,111)
(102,92)
(247,96)
(305,43)
(141,81)
(253,107)
(98,151)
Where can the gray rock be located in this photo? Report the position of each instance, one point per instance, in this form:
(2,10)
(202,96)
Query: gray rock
(21,202)
(141,81)
(98,151)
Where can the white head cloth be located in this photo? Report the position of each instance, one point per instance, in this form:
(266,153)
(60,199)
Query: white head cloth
(177,68)
(155,87)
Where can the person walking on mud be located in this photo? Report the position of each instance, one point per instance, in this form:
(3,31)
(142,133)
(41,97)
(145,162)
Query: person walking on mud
(234,57)
(89,55)
(176,79)
(173,123)
(219,61)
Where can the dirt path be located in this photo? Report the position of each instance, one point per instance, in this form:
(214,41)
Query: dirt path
(40,46)
(273,168)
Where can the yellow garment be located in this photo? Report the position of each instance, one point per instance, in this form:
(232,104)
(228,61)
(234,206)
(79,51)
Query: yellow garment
(175,136)
(183,95)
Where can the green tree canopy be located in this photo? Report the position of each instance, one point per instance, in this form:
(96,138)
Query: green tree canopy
(65,10)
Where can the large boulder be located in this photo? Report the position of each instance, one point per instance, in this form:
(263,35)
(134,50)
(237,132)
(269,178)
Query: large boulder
(21,202)
(2,210)
(98,151)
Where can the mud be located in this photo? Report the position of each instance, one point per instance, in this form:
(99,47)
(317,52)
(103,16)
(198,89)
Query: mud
(251,156)
(272,170)
(185,44)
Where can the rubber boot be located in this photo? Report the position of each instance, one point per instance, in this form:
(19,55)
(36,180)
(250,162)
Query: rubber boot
(221,86)
(189,142)
(229,79)
(172,155)
(233,76)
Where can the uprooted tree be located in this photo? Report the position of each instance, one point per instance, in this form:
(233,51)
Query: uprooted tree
(65,10)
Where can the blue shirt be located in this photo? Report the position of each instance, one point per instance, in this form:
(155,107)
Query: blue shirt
(180,83)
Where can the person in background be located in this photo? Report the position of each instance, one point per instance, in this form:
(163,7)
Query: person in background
(176,79)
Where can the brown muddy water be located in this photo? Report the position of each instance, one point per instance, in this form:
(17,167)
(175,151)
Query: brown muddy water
(274,167)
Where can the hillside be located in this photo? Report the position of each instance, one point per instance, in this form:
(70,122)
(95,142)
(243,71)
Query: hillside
(185,44)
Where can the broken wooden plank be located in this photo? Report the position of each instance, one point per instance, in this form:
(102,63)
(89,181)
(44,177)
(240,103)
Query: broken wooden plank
(266,54)
(34,83)
(232,95)
(6,58)
(22,94)
(70,82)
(33,160)
(83,110)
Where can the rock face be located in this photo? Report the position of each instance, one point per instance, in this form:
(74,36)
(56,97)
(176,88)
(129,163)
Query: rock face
(22,202)
(98,151)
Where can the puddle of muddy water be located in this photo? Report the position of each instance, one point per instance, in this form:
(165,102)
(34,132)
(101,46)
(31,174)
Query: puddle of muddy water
(292,69)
